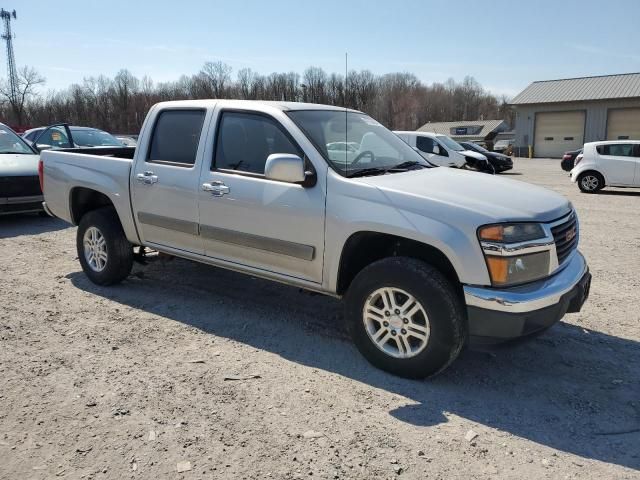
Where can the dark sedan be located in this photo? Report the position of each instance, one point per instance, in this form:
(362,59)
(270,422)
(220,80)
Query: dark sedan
(568,159)
(498,161)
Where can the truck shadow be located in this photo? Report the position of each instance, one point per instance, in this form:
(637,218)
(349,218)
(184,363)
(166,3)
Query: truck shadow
(621,192)
(29,224)
(572,389)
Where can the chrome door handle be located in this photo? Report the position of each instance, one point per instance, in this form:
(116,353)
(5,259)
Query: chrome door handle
(148,178)
(216,188)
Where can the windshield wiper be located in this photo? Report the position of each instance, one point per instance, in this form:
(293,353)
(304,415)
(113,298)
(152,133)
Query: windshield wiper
(363,172)
(406,165)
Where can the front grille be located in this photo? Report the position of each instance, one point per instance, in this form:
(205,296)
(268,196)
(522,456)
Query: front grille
(565,236)
(19,186)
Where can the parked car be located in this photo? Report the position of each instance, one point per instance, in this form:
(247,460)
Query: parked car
(568,160)
(497,161)
(127,141)
(610,163)
(19,185)
(66,136)
(444,151)
(426,259)
(503,146)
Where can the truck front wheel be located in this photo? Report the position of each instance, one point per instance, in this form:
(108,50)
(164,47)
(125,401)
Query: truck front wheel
(405,317)
(105,253)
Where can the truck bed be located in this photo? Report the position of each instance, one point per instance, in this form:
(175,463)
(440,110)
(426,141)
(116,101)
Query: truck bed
(105,170)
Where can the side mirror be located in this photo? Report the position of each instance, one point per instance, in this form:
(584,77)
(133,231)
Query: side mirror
(42,146)
(285,167)
(436,150)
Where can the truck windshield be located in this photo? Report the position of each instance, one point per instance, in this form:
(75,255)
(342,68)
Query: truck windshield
(12,143)
(94,138)
(450,143)
(354,143)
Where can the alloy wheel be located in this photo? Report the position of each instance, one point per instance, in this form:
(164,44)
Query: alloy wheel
(590,182)
(396,322)
(95,249)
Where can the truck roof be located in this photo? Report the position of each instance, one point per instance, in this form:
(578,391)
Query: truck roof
(284,106)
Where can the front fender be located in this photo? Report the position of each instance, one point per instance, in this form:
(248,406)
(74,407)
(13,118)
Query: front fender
(348,216)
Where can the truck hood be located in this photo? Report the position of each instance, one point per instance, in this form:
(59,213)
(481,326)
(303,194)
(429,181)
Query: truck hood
(489,197)
(16,165)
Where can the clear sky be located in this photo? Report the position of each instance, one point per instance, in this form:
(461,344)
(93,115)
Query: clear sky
(504,44)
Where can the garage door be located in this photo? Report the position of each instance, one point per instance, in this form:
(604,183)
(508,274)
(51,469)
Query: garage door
(623,124)
(557,133)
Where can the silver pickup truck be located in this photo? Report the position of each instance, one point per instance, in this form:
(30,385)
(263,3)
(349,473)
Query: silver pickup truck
(427,259)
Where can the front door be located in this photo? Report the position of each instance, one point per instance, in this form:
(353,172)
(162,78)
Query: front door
(252,221)
(427,147)
(165,184)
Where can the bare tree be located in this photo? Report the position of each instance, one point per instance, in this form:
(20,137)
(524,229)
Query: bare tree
(28,81)
(215,77)
(398,100)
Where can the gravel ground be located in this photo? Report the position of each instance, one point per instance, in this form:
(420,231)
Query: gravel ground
(132,381)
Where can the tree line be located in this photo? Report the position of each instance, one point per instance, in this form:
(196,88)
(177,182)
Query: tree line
(398,100)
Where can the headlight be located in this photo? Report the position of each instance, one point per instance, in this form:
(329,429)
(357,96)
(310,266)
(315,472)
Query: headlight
(516,253)
(512,233)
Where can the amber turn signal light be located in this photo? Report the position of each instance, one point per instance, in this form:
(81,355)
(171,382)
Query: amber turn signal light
(495,233)
(498,269)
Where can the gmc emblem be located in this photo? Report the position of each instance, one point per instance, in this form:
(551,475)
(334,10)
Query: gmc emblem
(570,234)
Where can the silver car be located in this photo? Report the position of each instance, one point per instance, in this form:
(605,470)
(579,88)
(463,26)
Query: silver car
(19,183)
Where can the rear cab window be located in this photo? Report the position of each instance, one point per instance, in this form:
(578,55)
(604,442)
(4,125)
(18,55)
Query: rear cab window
(175,137)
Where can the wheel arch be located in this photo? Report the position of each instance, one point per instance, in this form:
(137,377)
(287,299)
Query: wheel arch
(591,169)
(83,200)
(365,247)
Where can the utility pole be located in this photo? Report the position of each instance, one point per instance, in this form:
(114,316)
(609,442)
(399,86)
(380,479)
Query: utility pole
(12,74)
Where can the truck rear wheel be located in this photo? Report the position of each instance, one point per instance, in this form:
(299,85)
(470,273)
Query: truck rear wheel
(405,317)
(105,253)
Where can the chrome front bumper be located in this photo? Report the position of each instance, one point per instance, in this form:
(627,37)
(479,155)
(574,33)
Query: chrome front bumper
(532,296)
(500,315)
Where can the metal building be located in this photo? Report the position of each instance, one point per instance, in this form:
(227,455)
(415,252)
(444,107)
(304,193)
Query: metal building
(486,131)
(555,116)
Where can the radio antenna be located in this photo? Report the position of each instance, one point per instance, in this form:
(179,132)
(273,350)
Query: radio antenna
(346,133)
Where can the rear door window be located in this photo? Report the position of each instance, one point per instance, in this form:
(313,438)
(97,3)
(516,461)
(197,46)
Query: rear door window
(616,149)
(55,137)
(176,136)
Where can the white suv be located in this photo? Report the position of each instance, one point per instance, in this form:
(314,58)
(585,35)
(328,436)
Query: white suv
(609,163)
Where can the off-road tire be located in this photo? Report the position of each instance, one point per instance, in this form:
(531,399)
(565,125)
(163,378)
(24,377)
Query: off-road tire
(442,304)
(119,251)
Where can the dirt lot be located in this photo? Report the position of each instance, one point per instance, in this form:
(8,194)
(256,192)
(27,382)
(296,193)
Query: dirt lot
(129,381)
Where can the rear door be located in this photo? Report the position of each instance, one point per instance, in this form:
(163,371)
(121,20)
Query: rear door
(617,162)
(164,185)
(250,220)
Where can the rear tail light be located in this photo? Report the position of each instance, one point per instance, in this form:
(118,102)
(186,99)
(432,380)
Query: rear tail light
(577,160)
(41,175)
(566,156)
